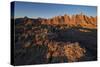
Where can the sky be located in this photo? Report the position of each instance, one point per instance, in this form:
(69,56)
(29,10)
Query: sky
(44,10)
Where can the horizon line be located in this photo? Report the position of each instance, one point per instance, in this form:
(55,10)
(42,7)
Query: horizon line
(53,16)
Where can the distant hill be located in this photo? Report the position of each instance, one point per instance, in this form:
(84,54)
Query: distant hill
(78,20)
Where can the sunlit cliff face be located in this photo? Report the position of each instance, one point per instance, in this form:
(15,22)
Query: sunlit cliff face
(74,20)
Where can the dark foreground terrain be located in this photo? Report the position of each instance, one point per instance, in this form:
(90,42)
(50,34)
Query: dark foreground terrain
(37,43)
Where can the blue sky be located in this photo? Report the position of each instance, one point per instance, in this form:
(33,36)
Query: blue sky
(35,10)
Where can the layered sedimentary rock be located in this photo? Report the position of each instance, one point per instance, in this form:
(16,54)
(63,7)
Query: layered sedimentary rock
(78,20)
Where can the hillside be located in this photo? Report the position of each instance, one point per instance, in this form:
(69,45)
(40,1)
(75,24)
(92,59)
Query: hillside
(55,40)
(78,20)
